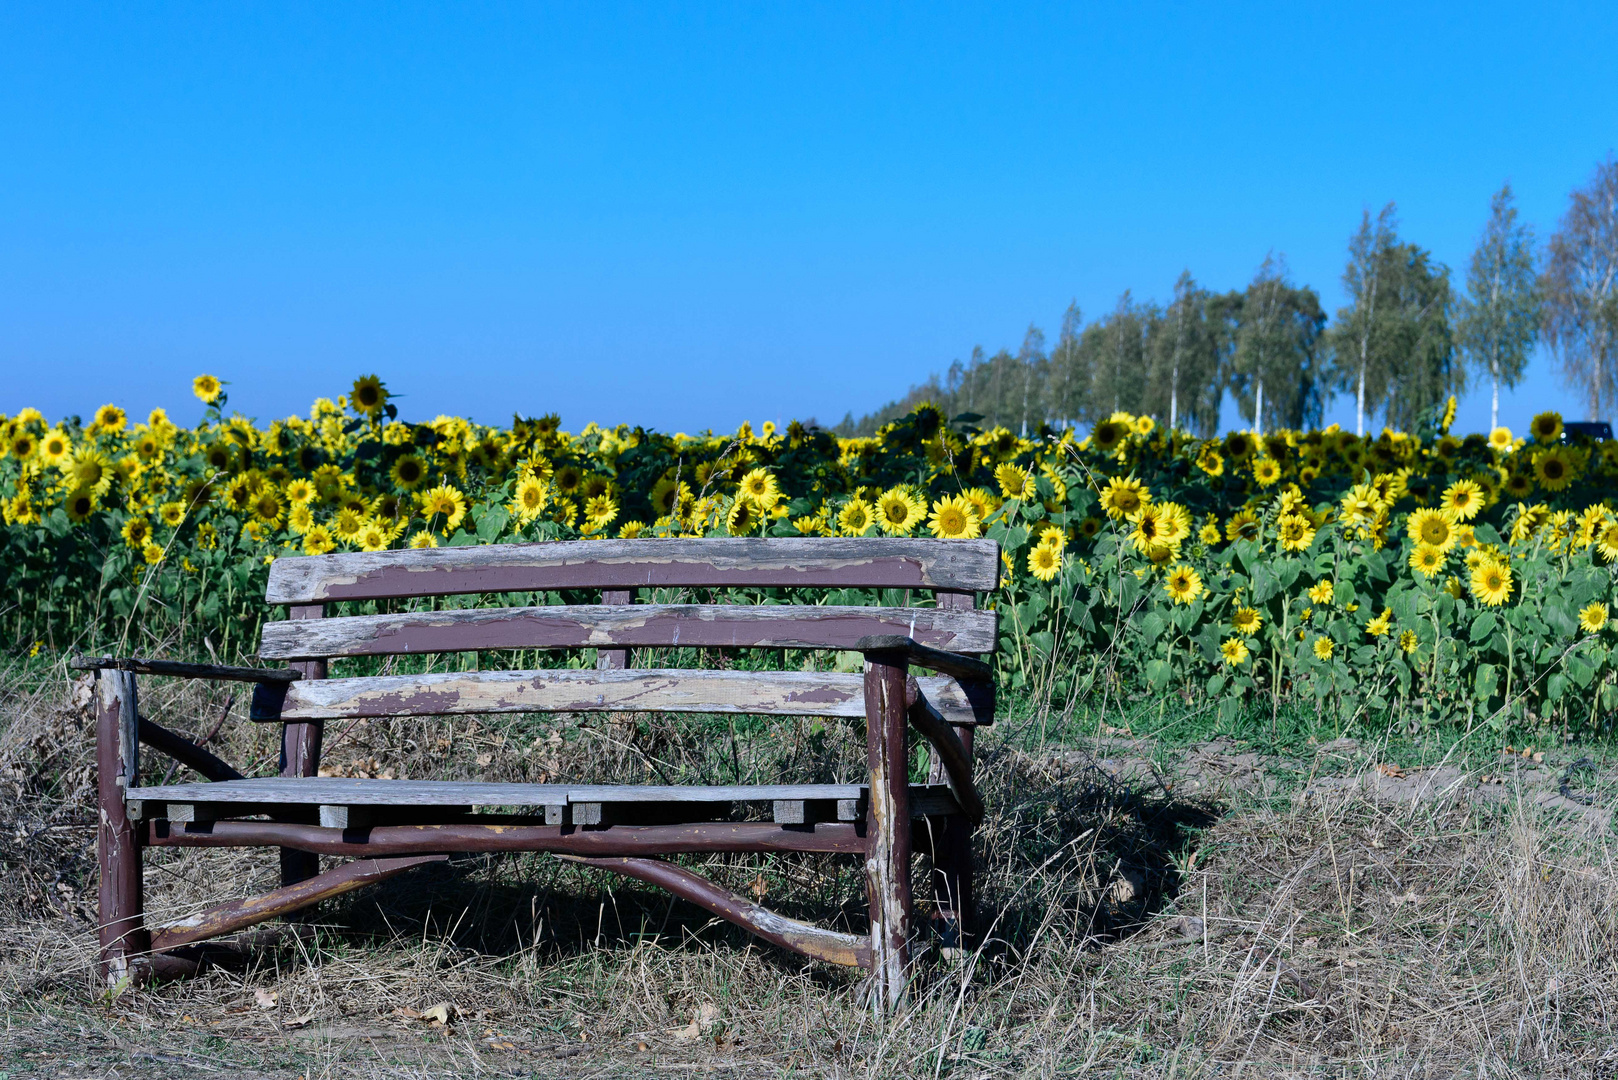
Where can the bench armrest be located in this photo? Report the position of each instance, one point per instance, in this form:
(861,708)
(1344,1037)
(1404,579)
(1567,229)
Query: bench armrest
(186,671)
(966,668)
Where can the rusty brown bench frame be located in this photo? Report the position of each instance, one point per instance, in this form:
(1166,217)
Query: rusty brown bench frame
(944,708)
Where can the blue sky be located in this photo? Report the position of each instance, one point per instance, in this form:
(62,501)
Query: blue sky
(691,215)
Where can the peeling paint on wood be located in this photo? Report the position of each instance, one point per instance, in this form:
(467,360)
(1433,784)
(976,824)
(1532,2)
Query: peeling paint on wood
(784,626)
(808,562)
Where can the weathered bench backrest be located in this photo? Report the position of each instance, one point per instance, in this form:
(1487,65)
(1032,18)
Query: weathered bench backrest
(953,569)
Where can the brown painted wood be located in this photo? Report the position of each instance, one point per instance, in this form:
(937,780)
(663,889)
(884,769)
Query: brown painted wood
(742,836)
(809,562)
(240,914)
(186,752)
(222,672)
(300,747)
(887,860)
(784,626)
(800,937)
(948,750)
(124,938)
(952,872)
(669,690)
(964,668)
(614,659)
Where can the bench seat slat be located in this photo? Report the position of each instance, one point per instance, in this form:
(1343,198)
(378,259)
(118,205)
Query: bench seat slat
(798,562)
(584,626)
(759,693)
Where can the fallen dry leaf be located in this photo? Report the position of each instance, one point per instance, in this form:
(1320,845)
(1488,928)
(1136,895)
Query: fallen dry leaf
(298,1021)
(701,1020)
(442,1013)
(265,999)
(1390,770)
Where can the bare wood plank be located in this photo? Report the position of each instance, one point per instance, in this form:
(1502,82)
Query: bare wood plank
(673,690)
(784,626)
(800,937)
(614,659)
(798,562)
(186,752)
(965,668)
(223,672)
(238,914)
(887,815)
(124,937)
(744,836)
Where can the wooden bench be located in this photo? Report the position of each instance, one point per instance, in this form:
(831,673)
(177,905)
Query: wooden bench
(389,826)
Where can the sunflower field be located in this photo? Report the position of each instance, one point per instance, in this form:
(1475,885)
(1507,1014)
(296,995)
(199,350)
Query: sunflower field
(1408,577)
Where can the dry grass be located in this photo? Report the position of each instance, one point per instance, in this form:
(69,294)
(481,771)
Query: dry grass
(1129,932)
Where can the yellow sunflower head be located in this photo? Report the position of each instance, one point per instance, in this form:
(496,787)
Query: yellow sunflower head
(1015,481)
(1234,650)
(370,396)
(1465,498)
(1243,525)
(1123,496)
(1491,583)
(1295,531)
(1546,427)
(1045,561)
(318,541)
(55,447)
(1435,528)
(761,487)
(1553,469)
(855,518)
(1426,560)
(110,418)
(1593,617)
(1266,472)
(207,388)
(954,518)
(1323,648)
(898,512)
(528,500)
(408,472)
(744,517)
(1500,440)
(1246,621)
(1183,584)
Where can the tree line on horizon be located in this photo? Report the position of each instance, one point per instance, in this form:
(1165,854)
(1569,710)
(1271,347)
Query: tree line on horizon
(1405,340)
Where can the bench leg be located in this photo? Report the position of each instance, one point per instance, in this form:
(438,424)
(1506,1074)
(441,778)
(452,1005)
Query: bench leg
(122,917)
(952,866)
(887,862)
(300,755)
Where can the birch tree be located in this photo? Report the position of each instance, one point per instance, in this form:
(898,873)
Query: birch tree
(1579,320)
(1499,316)
(1362,341)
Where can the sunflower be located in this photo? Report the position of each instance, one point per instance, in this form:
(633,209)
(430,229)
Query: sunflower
(370,396)
(1491,583)
(1183,584)
(1123,496)
(79,505)
(898,511)
(1150,529)
(855,518)
(1210,460)
(667,496)
(1607,542)
(1553,469)
(300,519)
(372,538)
(568,479)
(1464,498)
(1500,440)
(1234,651)
(1320,592)
(172,514)
(207,388)
(1593,617)
(408,472)
(55,447)
(446,502)
(1246,620)
(1436,528)
(1408,641)
(22,445)
(743,518)
(1045,561)
(528,501)
(1239,446)
(1323,648)
(1243,525)
(1426,559)
(1266,472)
(267,507)
(136,531)
(110,418)
(1015,481)
(152,553)
(1090,527)
(1546,427)
(1379,626)
(761,487)
(599,512)
(981,500)
(954,518)
(1107,435)
(423,539)
(1209,534)
(318,540)
(1295,532)
(348,524)
(90,470)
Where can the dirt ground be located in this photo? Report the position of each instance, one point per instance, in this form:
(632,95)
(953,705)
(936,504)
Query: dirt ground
(1147,910)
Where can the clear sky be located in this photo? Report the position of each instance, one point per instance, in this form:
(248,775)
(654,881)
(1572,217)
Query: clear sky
(690,215)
